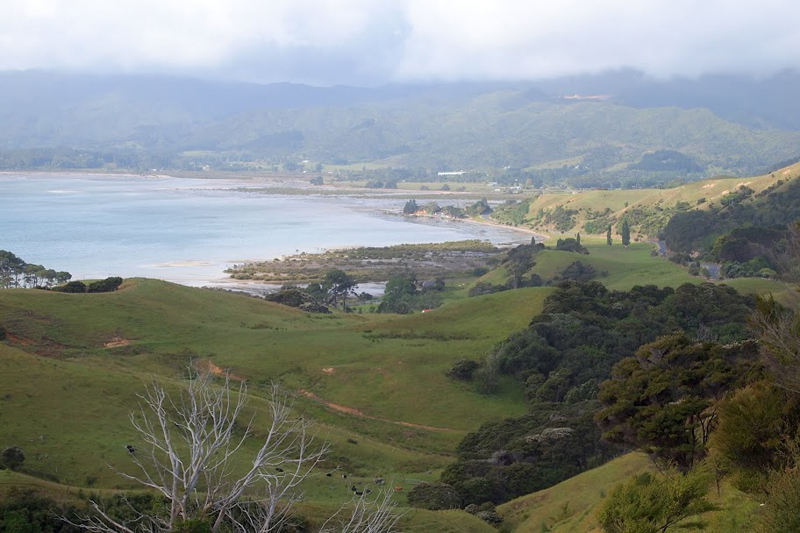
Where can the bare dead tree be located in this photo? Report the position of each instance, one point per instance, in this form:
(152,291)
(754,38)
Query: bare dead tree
(193,458)
(369,515)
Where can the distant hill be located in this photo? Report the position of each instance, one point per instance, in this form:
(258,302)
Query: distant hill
(649,210)
(581,126)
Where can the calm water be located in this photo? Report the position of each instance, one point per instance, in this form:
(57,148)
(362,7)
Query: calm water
(189,230)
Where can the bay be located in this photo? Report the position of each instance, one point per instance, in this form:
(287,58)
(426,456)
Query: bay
(189,230)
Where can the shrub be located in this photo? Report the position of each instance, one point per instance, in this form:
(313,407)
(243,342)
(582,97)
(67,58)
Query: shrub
(650,504)
(463,369)
(25,511)
(434,497)
(752,425)
(483,287)
(12,457)
(72,287)
(571,245)
(486,380)
(476,489)
(106,285)
(297,298)
(780,514)
(578,271)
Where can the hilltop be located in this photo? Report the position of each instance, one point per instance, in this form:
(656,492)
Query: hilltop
(648,210)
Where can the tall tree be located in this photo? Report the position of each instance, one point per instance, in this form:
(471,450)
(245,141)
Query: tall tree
(398,295)
(661,400)
(410,208)
(519,261)
(608,235)
(339,284)
(626,233)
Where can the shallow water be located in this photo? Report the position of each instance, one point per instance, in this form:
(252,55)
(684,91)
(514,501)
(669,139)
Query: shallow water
(190,230)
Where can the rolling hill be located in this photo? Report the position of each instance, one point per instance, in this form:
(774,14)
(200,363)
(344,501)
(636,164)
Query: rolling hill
(648,210)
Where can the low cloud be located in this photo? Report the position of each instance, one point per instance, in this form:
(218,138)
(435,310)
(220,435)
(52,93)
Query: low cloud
(369,42)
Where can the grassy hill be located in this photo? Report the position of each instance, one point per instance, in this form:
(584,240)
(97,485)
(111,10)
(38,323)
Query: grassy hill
(591,211)
(371,381)
(94,352)
(72,365)
(573,505)
(621,268)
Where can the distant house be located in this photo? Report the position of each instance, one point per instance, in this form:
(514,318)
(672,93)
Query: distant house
(456,173)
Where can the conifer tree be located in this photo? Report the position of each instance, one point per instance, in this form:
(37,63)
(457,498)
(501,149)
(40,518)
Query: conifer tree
(626,233)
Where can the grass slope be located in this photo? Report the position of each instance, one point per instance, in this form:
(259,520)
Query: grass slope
(619,202)
(73,364)
(571,505)
(620,268)
(624,267)
(393,372)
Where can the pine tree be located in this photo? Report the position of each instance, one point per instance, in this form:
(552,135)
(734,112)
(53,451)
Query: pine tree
(608,235)
(626,233)
(578,238)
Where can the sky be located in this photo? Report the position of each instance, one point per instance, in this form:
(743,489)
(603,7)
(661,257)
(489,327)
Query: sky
(370,42)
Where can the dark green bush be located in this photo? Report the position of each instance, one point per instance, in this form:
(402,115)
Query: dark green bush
(12,457)
(434,497)
(780,514)
(106,285)
(463,369)
(72,287)
(25,511)
(651,504)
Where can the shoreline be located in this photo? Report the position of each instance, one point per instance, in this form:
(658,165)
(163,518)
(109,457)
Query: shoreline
(540,237)
(198,271)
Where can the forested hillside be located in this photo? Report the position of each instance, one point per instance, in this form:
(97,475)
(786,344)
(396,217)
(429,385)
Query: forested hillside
(73,121)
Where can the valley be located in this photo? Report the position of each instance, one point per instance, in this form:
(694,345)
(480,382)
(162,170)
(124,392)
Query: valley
(375,384)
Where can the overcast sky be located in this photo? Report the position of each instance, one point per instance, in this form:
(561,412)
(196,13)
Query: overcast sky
(369,42)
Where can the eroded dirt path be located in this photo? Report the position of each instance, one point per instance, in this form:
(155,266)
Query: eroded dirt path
(356,412)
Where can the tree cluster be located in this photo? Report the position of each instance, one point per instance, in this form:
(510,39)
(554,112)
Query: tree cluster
(699,407)
(402,295)
(562,358)
(109,284)
(14,273)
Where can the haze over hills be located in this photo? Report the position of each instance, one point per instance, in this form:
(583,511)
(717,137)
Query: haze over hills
(722,124)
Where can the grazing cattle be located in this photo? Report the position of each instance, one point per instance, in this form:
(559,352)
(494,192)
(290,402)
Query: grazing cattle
(131,449)
(278,469)
(344,476)
(328,474)
(359,493)
(398,489)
